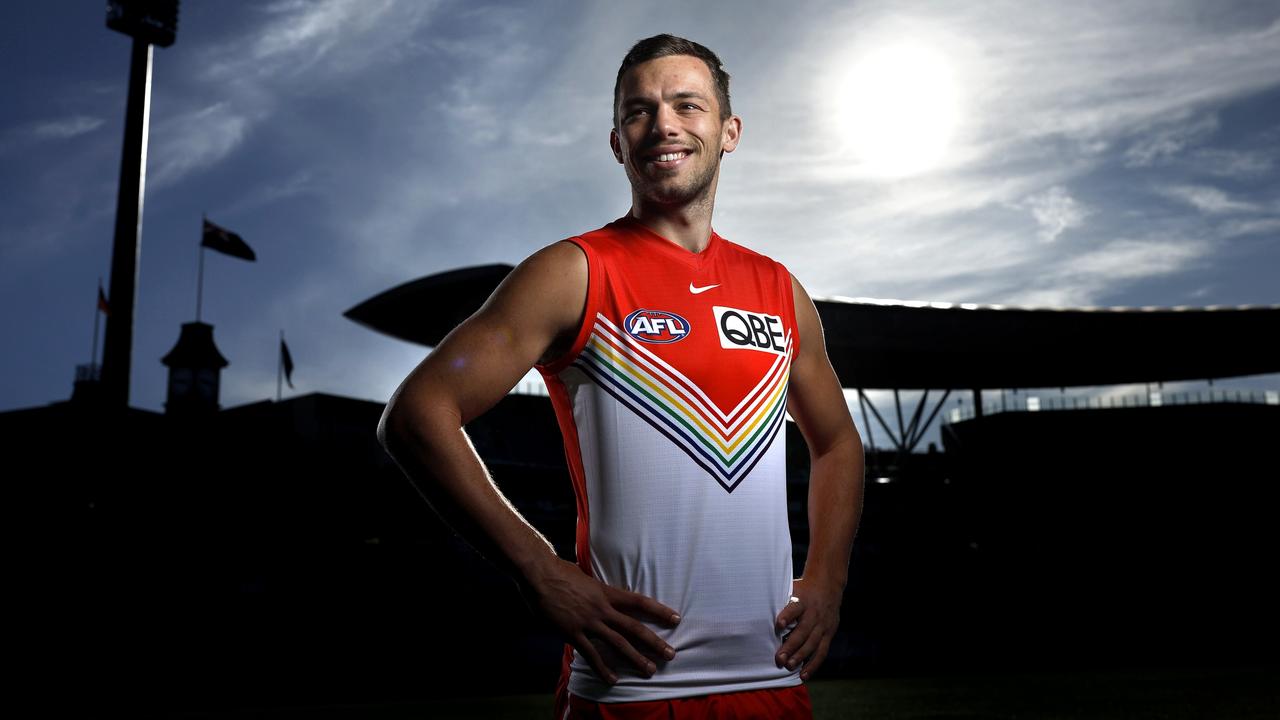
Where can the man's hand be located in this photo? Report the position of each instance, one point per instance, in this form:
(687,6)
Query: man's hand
(586,610)
(817,608)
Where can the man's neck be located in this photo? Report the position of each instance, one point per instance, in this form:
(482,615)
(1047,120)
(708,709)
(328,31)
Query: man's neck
(688,226)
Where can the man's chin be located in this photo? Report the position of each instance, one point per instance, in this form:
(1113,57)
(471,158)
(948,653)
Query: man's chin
(672,195)
(668,197)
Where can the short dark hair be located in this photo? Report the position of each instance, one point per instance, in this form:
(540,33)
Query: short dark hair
(665,45)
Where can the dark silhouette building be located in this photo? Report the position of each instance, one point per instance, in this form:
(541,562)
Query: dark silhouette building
(273,552)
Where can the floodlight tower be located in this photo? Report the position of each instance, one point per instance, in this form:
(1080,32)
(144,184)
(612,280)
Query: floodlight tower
(148,22)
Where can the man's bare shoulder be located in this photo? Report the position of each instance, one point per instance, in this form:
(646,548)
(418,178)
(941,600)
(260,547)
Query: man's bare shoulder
(798,290)
(543,297)
(562,255)
(554,273)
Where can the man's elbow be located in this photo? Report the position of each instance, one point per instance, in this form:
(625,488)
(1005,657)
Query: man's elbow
(387,426)
(417,425)
(849,437)
(393,428)
(398,422)
(847,443)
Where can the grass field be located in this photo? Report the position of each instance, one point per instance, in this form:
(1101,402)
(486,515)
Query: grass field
(1244,693)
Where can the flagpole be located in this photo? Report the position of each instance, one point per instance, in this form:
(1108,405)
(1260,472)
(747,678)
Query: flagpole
(200,274)
(97,318)
(279,364)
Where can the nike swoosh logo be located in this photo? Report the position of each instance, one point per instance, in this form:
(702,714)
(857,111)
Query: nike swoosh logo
(697,290)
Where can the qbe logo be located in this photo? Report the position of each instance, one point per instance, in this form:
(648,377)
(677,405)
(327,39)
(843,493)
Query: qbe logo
(746,330)
(656,326)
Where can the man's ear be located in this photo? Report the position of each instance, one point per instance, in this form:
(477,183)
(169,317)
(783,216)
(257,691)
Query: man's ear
(732,133)
(616,145)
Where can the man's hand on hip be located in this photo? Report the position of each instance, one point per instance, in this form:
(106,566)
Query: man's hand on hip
(586,610)
(815,607)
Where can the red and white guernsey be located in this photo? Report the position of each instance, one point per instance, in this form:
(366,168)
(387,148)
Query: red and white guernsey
(671,402)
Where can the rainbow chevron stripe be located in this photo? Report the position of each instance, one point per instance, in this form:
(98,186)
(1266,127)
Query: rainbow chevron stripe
(726,444)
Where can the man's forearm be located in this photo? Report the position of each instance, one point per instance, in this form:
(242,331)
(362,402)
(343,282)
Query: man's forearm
(443,465)
(835,508)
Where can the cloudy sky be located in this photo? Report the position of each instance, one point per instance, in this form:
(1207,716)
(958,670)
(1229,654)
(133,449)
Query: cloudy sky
(1026,153)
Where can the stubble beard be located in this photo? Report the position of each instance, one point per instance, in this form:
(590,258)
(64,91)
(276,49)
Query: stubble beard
(661,191)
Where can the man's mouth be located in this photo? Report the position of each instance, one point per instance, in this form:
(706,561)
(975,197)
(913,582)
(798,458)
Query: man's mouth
(668,160)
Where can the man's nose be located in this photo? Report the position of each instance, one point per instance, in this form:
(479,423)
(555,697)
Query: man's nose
(664,121)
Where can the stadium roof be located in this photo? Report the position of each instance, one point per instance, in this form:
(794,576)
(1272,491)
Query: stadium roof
(876,343)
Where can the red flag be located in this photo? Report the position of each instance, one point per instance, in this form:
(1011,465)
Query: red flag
(225,241)
(102,301)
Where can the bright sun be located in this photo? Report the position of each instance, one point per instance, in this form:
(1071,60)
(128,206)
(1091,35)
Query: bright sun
(898,110)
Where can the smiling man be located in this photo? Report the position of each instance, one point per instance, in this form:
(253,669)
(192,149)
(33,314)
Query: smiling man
(671,355)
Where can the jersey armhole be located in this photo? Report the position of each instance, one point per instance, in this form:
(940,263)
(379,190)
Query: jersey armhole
(790,295)
(589,309)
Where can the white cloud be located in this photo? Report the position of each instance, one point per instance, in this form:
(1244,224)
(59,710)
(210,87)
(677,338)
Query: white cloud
(1055,211)
(1257,226)
(1236,164)
(193,141)
(1079,278)
(66,127)
(306,43)
(1161,144)
(1207,199)
(301,182)
(475,121)
(1131,258)
(19,137)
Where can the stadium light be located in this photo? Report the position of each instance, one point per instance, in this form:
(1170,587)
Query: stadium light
(148,22)
(152,21)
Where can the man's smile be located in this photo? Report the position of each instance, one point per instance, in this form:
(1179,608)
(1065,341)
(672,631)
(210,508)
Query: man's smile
(668,159)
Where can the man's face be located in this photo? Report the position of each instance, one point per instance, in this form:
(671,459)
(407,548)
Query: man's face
(668,109)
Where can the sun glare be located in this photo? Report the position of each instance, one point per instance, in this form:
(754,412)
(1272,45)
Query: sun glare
(898,110)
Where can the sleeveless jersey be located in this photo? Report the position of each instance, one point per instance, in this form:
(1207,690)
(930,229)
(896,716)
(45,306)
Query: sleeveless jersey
(671,402)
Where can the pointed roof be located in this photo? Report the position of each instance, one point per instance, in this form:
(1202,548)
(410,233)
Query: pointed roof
(195,348)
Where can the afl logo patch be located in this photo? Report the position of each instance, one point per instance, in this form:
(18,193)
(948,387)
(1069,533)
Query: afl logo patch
(656,326)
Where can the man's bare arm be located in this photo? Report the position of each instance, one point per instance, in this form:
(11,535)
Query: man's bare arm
(816,402)
(530,317)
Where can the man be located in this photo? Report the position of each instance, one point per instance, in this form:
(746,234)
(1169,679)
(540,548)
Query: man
(670,354)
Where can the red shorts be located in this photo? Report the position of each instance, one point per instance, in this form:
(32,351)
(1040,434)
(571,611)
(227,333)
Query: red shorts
(787,703)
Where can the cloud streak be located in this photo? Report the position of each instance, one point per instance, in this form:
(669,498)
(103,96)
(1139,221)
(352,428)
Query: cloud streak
(66,127)
(1207,199)
(1163,143)
(194,141)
